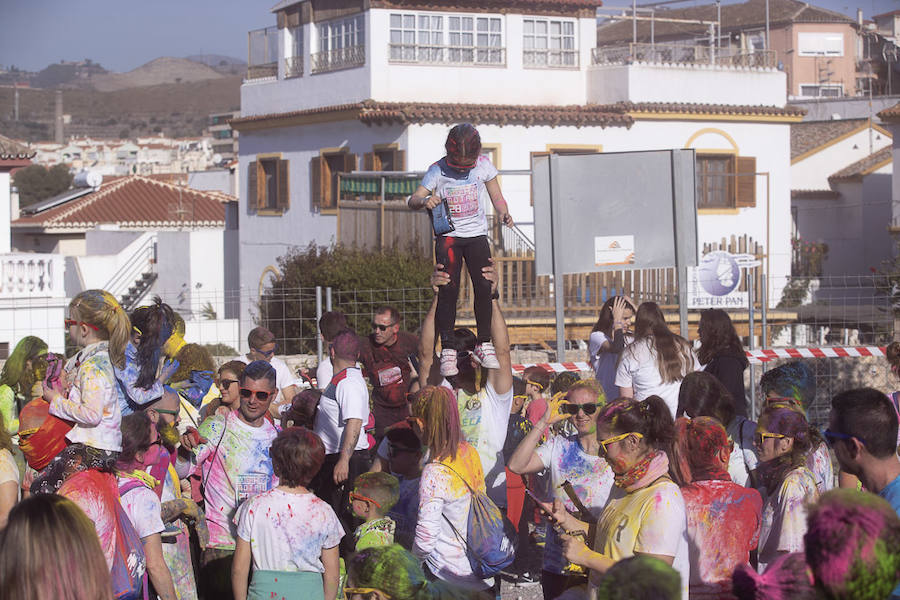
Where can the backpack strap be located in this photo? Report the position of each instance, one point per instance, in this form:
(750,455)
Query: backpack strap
(131,484)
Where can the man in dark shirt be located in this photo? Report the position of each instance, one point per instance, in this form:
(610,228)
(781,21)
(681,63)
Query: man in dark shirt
(385,357)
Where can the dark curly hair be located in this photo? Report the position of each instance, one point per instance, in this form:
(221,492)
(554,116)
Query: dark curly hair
(718,337)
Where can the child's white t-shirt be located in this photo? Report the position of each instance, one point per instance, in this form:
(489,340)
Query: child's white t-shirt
(467,197)
(287,532)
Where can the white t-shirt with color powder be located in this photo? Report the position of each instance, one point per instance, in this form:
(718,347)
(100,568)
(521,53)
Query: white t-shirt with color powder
(638,369)
(784,516)
(467,198)
(346,397)
(143,508)
(484,418)
(743,457)
(651,520)
(9,471)
(233,465)
(287,532)
(591,478)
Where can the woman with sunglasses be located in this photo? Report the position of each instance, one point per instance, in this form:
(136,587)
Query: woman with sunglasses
(645,514)
(228,382)
(570,459)
(783,442)
(723,517)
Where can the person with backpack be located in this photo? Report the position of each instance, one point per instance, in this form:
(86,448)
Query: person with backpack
(141,450)
(450,483)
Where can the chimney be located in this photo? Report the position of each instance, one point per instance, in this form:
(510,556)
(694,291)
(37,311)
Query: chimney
(859,17)
(58,136)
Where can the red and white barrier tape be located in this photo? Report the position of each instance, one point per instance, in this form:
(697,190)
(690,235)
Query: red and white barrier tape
(754,356)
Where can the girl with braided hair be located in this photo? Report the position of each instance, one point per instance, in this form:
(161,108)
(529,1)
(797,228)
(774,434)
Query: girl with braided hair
(783,440)
(463,179)
(723,517)
(99,326)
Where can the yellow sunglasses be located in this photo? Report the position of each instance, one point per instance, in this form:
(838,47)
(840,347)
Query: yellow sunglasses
(617,438)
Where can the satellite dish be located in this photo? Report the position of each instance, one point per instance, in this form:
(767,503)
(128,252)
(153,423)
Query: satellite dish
(217,159)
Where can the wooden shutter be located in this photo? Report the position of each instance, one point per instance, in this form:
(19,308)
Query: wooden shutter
(251,185)
(399,160)
(350,162)
(283,201)
(369,161)
(315,178)
(745,188)
(262,189)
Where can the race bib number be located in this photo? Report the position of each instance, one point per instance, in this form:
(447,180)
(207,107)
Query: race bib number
(389,375)
(463,200)
(250,485)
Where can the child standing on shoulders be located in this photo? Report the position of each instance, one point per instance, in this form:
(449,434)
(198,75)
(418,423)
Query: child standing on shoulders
(373,496)
(291,534)
(462,181)
(100,327)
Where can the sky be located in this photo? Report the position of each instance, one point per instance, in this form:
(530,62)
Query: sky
(124,34)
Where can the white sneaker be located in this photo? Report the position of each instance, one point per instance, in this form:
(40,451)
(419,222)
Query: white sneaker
(448,362)
(486,356)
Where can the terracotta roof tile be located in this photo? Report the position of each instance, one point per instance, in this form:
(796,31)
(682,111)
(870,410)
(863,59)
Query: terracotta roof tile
(891,115)
(809,135)
(11,149)
(864,166)
(135,201)
(735,17)
(621,114)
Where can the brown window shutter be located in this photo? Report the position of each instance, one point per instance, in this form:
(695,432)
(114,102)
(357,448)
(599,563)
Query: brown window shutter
(745,196)
(281,19)
(369,161)
(262,189)
(315,176)
(251,185)
(399,160)
(283,202)
(350,162)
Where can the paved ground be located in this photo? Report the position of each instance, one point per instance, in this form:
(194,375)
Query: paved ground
(516,581)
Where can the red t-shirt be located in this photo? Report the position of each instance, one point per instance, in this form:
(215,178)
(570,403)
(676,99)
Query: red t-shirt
(387,368)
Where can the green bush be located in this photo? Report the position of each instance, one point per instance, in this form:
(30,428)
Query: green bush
(360,281)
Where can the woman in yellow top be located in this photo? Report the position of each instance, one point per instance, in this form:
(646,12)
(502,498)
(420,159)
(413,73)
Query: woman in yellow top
(645,514)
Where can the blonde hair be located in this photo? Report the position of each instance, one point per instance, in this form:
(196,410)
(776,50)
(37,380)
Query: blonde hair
(437,408)
(50,549)
(100,309)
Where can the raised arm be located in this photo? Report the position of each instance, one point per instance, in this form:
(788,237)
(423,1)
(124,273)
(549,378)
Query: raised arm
(500,379)
(428,367)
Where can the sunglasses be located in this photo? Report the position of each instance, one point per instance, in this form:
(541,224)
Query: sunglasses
(617,438)
(260,395)
(834,436)
(74,323)
(266,353)
(360,497)
(381,327)
(226,383)
(760,437)
(570,408)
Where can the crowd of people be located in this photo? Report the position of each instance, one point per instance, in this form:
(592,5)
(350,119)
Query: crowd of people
(136,469)
(417,467)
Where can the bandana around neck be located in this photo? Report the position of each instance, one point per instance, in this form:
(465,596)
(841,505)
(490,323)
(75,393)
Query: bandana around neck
(646,471)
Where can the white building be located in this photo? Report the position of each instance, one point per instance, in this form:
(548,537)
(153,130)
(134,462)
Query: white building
(372,84)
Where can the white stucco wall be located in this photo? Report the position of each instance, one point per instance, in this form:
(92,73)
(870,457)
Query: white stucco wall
(701,84)
(5,234)
(812,172)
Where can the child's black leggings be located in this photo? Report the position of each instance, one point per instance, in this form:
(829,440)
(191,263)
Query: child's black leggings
(450,252)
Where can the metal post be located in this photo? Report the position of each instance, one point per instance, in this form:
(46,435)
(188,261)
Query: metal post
(764,300)
(328,298)
(653,36)
(558,283)
(751,345)
(634,21)
(318,316)
(718,27)
(767,25)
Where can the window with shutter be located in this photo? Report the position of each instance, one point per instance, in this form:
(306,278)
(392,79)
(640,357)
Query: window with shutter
(715,181)
(283,201)
(317,194)
(267,184)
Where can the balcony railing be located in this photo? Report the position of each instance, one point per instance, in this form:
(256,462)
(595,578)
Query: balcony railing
(681,55)
(339,58)
(32,276)
(293,67)
(262,71)
(452,55)
(550,59)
